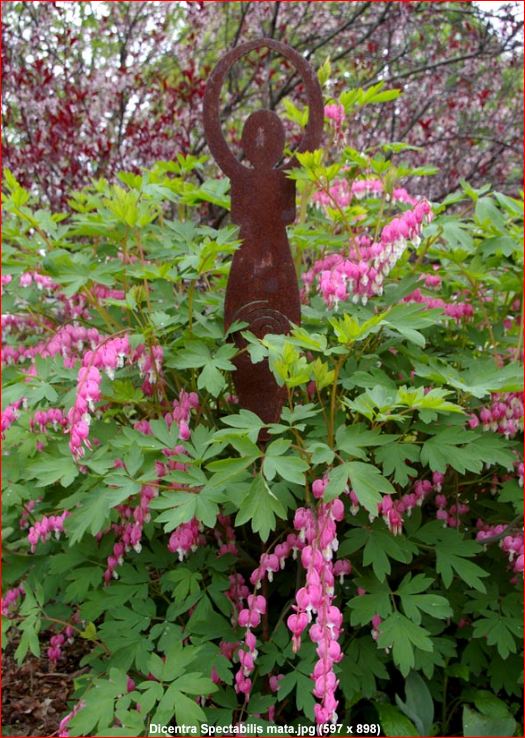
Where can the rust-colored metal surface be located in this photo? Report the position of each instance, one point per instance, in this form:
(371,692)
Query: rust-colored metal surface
(262,288)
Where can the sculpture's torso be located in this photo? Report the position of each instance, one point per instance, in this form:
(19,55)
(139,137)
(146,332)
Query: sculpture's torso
(262,287)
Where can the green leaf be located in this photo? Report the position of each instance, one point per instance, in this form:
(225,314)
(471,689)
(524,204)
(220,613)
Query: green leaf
(364,607)
(187,711)
(504,245)
(382,546)
(393,459)
(488,215)
(291,468)
(98,712)
(48,470)
(245,421)
(414,603)
(479,379)
(299,413)
(476,724)
(465,450)
(488,704)
(497,632)
(402,635)
(452,554)
(418,705)
(304,700)
(194,355)
(407,318)
(337,482)
(260,506)
(211,380)
(225,470)
(195,683)
(393,722)
(182,581)
(183,506)
(354,439)
(444,449)
(321,453)
(94,511)
(168,436)
(367,482)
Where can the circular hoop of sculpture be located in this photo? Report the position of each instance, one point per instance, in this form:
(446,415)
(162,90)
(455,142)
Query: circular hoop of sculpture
(211,108)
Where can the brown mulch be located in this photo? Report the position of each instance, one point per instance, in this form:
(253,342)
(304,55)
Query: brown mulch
(34,698)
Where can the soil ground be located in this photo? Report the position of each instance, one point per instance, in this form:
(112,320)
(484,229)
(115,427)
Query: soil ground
(35,698)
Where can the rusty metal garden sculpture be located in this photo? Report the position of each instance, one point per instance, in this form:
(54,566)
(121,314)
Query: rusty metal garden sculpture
(262,288)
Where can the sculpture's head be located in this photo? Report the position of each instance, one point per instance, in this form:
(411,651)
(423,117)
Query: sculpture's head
(262,139)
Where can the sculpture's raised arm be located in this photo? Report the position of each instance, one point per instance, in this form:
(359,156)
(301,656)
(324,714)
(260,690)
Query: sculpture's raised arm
(222,153)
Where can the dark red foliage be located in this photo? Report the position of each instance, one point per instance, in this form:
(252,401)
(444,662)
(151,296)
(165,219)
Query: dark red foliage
(94,87)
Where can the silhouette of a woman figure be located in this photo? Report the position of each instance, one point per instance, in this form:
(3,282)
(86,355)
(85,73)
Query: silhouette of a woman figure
(262,287)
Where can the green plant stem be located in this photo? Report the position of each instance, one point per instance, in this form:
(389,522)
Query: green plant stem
(66,624)
(101,310)
(428,243)
(520,335)
(304,454)
(444,703)
(482,307)
(331,426)
(190,305)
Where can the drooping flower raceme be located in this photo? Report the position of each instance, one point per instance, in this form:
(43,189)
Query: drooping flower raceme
(149,361)
(180,414)
(10,414)
(185,538)
(504,415)
(129,530)
(335,113)
(458,310)
(512,545)
(314,602)
(107,357)
(393,510)
(70,342)
(361,273)
(10,600)
(250,616)
(340,193)
(45,527)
